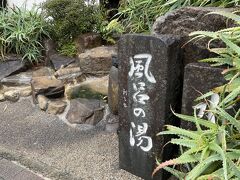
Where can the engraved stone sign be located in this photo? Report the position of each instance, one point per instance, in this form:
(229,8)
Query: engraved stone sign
(150,78)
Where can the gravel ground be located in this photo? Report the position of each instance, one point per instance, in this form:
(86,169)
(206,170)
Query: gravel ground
(50,147)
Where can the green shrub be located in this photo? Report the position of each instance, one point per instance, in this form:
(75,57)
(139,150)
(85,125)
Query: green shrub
(68,49)
(70,18)
(21,32)
(138,16)
(109,31)
(213,150)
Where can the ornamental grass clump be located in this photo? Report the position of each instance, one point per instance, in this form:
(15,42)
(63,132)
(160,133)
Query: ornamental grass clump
(22,32)
(212,151)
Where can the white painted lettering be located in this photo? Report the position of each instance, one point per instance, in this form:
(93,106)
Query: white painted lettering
(138,111)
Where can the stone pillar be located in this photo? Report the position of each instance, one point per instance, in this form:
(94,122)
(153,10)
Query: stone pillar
(150,81)
(112,119)
(113,87)
(199,78)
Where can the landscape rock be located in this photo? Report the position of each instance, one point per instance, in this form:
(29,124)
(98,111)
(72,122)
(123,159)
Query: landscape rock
(59,61)
(23,78)
(56,107)
(43,71)
(97,116)
(12,95)
(73,65)
(42,102)
(10,67)
(90,89)
(48,86)
(112,123)
(97,61)
(113,90)
(25,91)
(88,41)
(70,74)
(49,49)
(186,20)
(2,98)
(85,111)
(115,61)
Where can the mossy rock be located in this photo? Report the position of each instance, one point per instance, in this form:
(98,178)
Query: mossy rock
(85,93)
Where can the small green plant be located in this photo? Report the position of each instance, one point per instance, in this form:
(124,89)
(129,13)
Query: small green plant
(68,49)
(212,152)
(139,15)
(110,30)
(70,18)
(21,32)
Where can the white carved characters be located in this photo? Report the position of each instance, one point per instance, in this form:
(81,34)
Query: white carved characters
(138,96)
(138,70)
(141,137)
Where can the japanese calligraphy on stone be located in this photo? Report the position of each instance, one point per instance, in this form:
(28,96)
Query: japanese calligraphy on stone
(139,75)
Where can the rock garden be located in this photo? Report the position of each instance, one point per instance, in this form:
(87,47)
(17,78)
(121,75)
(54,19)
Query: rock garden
(162,77)
(79,85)
(59,82)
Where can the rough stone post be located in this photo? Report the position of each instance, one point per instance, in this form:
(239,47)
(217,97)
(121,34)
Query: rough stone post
(199,78)
(150,81)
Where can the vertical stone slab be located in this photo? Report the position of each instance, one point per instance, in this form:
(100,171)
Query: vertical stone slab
(150,80)
(113,87)
(199,78)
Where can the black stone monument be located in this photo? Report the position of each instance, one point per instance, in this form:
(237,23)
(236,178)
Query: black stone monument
(150,81)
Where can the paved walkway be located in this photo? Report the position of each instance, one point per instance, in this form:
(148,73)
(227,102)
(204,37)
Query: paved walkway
(48,146)
(12,171)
